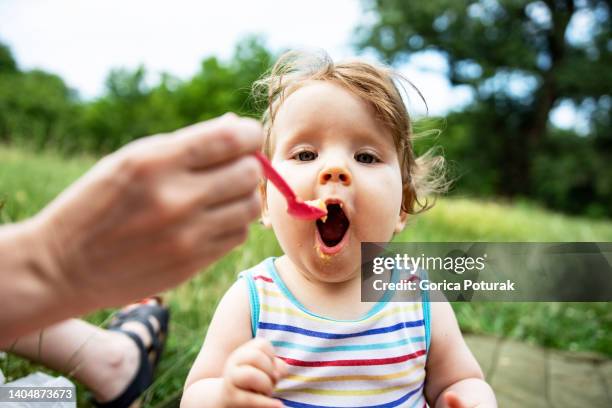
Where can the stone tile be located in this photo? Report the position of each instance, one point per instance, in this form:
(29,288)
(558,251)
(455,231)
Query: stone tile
(575,383)
(519,377)
(483,348)
(605,370)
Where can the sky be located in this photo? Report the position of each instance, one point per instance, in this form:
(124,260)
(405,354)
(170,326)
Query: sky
(82,40)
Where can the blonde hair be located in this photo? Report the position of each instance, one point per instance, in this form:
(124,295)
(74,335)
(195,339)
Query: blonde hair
(422,176)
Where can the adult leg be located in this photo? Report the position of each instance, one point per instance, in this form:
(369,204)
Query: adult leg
(105,361)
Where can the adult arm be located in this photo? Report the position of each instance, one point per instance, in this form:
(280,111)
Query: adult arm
(141,220)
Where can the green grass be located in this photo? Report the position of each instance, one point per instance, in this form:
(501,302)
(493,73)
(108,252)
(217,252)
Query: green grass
(28,181)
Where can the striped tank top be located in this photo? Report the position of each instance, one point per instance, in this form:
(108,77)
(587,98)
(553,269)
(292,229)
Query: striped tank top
(377,361)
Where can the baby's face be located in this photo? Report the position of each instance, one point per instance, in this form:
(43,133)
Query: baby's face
(328,145)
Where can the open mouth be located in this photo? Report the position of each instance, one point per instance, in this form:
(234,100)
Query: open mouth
(333,230)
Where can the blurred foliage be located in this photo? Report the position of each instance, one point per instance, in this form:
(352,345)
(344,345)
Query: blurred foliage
(31,180)
(520,59)
(37,110)
(7,62)
(130,109)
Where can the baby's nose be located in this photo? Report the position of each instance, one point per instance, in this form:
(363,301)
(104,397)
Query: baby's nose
(335,175)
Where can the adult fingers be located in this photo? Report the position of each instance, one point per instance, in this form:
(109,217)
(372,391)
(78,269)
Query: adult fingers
(225,182)
(229,239)
(247,377)
(212,248)
(215,141)
(217,230)
(231,216)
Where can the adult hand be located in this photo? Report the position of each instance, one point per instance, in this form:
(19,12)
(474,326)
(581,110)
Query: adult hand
(143,219)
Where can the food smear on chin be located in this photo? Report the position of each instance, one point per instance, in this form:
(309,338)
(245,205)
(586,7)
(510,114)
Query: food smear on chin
(319,204)
(324,257)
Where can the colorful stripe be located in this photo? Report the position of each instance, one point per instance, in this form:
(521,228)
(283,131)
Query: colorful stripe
(351,393)
(325,335)
(349,347)
(272,293)
(355,362)
(376,359)
(299,313)
(397,402)
(253,303)
(400,374)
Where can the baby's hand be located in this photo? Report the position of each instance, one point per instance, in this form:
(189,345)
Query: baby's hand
(452,400)
(250,374)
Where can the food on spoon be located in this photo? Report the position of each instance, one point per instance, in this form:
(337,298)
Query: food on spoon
(319,204)
(295,206)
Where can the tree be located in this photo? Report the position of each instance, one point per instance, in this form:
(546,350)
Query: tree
(521,58)
(37,109)
(130,108)
(221,86)
(7,62)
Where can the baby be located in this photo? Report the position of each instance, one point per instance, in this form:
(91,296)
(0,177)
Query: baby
(292,330)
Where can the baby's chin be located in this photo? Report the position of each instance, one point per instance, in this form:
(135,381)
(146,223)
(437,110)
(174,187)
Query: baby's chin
(333,268)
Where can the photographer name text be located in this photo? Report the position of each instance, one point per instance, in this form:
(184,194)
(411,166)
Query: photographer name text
(427,285)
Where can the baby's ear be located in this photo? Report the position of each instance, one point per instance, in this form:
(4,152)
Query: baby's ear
(265,219)
(401,222)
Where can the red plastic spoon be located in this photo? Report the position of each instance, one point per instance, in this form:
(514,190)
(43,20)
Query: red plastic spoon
(295,206)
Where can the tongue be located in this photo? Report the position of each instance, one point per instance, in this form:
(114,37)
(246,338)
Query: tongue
(331,232)
(334,228)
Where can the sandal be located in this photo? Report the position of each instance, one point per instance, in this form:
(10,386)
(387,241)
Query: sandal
(144,376)
(141,314)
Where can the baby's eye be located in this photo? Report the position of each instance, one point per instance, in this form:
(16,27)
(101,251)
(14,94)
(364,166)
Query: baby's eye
(367,158)
(305,155)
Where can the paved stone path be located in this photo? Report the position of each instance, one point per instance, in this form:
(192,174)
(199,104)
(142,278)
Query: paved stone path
(529,376)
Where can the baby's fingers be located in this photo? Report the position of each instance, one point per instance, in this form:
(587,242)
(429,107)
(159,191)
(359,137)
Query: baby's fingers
(249,378)
(280,368)
(452,400)
(252,400)
(258,353)
(256,359)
